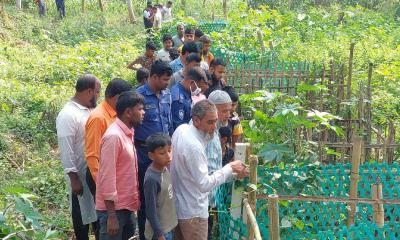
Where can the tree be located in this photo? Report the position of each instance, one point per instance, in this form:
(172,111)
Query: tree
(101,5)
(83,6)
(19,4)
(132,18)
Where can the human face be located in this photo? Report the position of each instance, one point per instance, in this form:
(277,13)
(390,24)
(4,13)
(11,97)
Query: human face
(94,94)
(218,72)
(189,37)
(161,156)
(208,124)
(180,29)
(136,115)
(149,53)
(203,85)
(234,106)
(224,112)
(206,47)
(168,44)
(161,82)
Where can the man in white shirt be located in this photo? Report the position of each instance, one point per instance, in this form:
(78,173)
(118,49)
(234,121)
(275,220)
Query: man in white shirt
(70,125)
(167,12)
(157,16)
(189,172)
(163,54)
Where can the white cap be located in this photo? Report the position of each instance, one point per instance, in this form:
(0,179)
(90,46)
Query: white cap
(219,97)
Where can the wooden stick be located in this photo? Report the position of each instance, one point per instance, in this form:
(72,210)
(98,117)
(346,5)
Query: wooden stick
(332,199)
(253,160)
(368,113)
(378,211)
(252,220)
(355,168)
(273,215)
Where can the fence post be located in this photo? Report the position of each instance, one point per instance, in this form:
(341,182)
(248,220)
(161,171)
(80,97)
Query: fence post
(273,215)
(253,160)
(378,211)
(355,168)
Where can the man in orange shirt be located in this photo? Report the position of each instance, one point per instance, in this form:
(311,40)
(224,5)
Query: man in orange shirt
(205,53)
(99,120)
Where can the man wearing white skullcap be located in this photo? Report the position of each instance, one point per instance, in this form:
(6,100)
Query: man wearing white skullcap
(223,102)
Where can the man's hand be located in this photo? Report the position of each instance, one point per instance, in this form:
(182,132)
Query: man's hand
(161,238)
(239,168)
(76,185)
(112,225)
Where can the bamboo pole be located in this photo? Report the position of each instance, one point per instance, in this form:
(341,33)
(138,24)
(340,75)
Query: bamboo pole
(253,160)
(261,40)
(368,113)
(349,131)
(252,222)
(378,211)
(355,168)
(273,215)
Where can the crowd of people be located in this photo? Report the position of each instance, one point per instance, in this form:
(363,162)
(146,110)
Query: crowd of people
(152,156)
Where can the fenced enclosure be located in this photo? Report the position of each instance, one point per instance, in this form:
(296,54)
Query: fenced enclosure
(352,194)
(349,200)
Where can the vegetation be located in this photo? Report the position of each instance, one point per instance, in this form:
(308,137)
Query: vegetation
(40,59)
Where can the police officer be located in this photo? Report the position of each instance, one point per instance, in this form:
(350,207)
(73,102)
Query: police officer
(157,119)
(182,93)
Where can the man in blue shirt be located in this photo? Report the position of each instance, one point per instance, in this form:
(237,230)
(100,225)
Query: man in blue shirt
(157,119)
(182,93)
(179,63)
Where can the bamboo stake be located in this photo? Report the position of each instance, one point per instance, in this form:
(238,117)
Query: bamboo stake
(355,168)
(378,211)
(252,220)
(253,160)
(349,88)
(273,215)
(368,113)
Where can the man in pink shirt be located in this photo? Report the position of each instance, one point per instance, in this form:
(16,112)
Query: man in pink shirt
(117,195)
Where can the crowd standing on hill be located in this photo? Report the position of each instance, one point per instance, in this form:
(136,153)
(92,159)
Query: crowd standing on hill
(152,156)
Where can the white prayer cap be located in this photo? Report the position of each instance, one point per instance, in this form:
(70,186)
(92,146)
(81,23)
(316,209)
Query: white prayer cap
(219,97)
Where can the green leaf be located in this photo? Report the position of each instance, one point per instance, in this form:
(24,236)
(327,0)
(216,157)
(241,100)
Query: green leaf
(299,224)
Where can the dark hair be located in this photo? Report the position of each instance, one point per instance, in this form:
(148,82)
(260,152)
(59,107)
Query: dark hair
(193,57)
(209,77)
(173,53)
(166,37)
(197,74)
(117,86)
(190,31)
(205,39)
(190,47)
(198,33)
(86,81)
(151,46)
(232,93)
(225,132)
(142,74)
(126,100)
(169,2)
(160,68)
(157,140)
(217,62)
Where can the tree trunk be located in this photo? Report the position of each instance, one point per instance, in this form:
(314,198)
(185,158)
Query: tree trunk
(19,4)
(225,7)
(83,6)
(101,5)
(132,18)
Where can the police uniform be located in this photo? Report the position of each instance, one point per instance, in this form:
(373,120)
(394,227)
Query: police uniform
(157,119)
(181,105)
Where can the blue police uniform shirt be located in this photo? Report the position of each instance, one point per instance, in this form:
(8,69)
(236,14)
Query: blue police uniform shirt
(157,119)
(181,105)
(176,65)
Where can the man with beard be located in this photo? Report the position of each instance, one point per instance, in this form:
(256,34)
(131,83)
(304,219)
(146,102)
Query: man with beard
(190,178)
(205,53)
(179,38)
(223,104)
(217,71)
(70,125)
(117,195)
(157,119)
